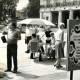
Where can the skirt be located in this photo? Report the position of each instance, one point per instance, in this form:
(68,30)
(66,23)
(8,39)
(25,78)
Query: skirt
(59,50)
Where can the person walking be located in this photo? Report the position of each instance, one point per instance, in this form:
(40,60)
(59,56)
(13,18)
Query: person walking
(12,37)
(59,37)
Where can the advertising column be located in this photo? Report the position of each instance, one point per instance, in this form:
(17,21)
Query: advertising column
(73,46)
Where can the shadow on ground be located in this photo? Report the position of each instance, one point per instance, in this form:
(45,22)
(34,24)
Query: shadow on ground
(26,75)
(56,76)
(47,62)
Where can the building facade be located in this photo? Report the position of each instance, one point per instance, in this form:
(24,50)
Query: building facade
(59,10)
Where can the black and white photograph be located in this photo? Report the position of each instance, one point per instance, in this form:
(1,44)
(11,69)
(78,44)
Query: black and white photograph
(39,39)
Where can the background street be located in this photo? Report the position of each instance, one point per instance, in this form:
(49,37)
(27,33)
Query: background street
(29,69)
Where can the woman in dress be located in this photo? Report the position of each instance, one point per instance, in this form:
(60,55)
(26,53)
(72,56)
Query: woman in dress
(59,38)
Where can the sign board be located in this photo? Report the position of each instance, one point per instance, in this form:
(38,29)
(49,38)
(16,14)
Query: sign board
(73,45)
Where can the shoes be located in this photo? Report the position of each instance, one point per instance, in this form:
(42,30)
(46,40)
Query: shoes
(32,58)
(7,71)
(15,71)
(59,66)
(27,51)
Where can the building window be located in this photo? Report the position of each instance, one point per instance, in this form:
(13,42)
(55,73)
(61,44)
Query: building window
(47,18)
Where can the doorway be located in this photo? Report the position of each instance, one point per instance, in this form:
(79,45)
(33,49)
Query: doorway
(55,18)
(76,14)
(65,16)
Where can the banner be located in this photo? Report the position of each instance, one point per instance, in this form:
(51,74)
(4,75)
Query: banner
(73,45)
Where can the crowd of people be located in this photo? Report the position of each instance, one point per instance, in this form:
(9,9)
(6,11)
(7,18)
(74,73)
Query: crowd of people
(54,47)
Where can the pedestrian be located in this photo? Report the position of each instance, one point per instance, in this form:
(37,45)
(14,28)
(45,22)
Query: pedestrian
(47,33)
(59,38)
(51,49)
(40,43)
(48,40)
(35,29)
(28,36)
(12,37)
(52,38)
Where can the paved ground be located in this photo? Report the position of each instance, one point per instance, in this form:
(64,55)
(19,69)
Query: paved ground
(29,69)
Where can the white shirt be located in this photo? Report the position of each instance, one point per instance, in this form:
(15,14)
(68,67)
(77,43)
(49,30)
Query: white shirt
(58,35)
(11,34)
(29,32)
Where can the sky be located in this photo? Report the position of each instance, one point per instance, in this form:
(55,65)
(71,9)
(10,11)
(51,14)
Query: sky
(21,4)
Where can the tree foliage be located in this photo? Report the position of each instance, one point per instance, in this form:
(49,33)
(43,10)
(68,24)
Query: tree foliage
(33,8)
(7,7)
(1,8)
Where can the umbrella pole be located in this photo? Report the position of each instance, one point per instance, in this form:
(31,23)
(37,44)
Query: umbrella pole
(43,35)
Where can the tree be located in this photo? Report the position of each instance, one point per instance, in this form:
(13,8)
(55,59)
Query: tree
(33,8)
(1,9)
(8,8)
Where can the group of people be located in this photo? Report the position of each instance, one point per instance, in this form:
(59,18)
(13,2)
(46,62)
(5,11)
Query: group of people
(55,41)
(51,39)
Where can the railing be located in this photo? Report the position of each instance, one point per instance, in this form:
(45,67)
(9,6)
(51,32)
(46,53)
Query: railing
(57,4)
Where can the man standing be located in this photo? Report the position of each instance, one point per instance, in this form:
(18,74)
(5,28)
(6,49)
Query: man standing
(12,38)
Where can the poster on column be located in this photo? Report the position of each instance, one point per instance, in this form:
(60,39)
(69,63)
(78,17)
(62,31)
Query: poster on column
(73,45)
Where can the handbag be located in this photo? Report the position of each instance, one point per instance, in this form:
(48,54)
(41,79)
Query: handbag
(3,39)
